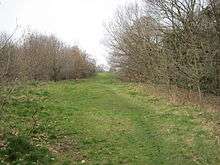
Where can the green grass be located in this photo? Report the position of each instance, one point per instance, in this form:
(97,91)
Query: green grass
(104,121)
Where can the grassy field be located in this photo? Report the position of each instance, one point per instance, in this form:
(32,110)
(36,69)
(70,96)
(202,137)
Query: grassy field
(103,121)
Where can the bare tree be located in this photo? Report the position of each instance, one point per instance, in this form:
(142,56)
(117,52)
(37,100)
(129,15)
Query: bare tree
(167,42)
(215,11)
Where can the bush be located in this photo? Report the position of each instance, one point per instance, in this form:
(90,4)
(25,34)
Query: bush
(19,150)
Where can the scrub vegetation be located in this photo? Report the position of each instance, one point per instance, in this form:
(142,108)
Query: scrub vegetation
(158,105)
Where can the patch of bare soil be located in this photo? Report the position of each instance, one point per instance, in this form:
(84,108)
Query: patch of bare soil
(68,147)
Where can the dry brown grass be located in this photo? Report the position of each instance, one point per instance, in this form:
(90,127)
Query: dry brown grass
(180,96)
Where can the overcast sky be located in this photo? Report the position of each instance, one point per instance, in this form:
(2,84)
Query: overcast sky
(77,22)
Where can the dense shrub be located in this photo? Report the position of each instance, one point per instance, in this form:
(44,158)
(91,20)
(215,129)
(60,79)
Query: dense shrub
(170,42)
(41,57)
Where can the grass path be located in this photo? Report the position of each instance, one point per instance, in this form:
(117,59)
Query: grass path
(104,121)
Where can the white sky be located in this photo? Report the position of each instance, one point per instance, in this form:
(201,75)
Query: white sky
(77,22)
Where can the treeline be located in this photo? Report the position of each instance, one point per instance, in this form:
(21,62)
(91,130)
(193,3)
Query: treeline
(41,57)
(169,42)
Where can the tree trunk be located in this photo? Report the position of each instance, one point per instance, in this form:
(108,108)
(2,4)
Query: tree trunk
(217,16)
